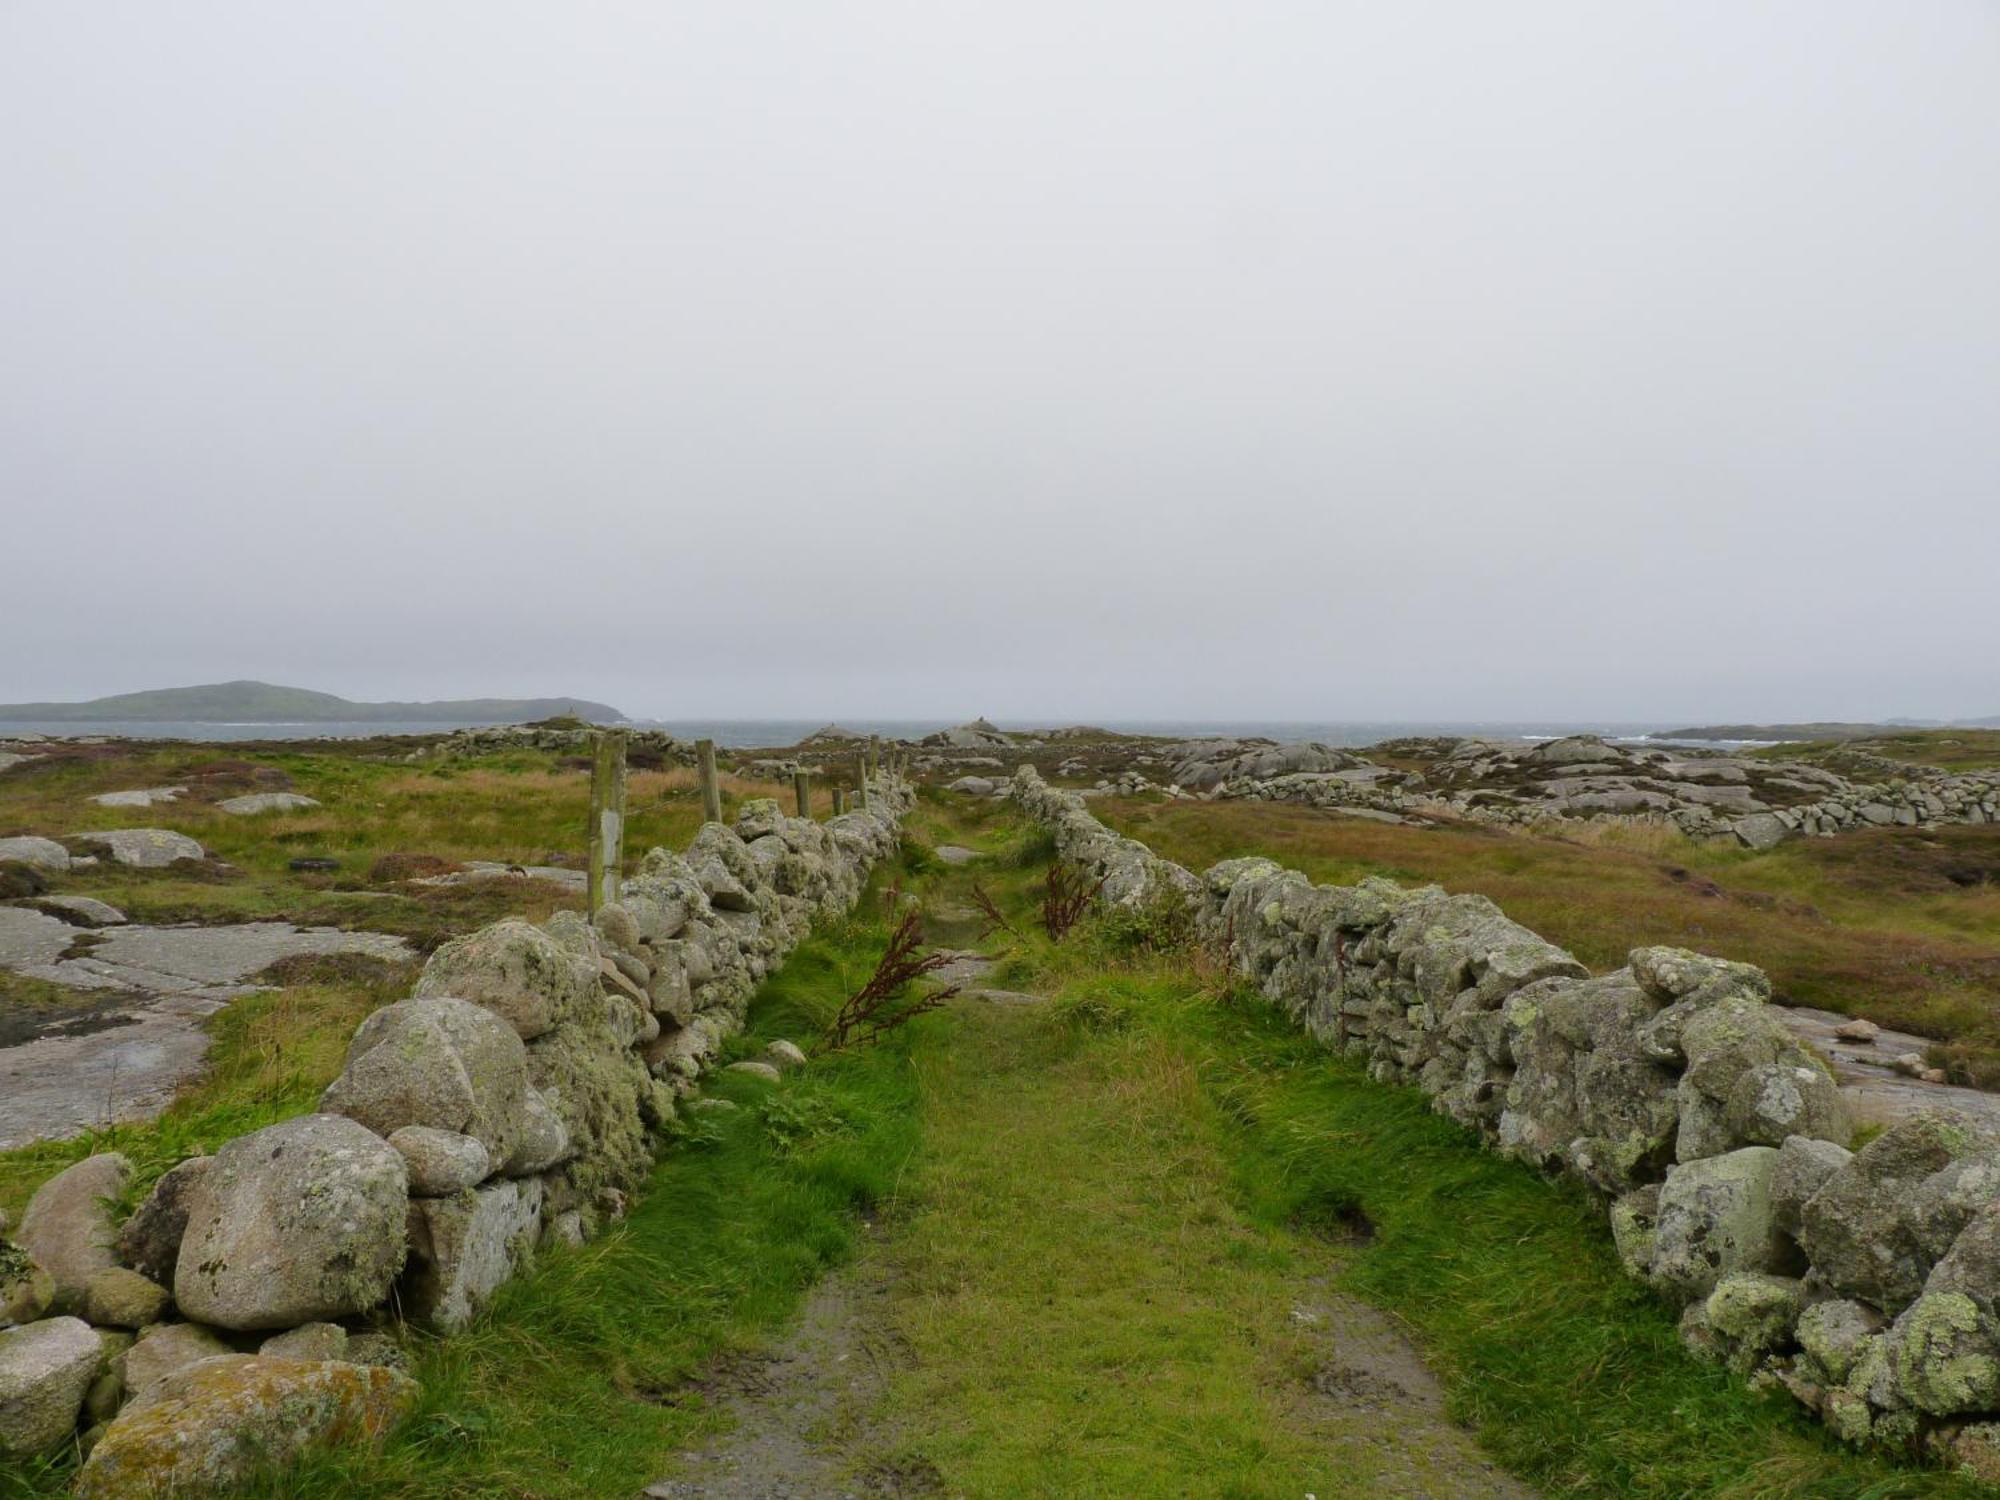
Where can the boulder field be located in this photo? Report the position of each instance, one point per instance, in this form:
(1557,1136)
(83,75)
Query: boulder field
(245,1309)
(1866,1283)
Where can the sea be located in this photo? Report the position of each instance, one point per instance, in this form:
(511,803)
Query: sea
(750,734)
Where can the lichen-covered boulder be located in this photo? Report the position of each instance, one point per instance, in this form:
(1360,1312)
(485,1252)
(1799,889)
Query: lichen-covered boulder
(1804,1167)
(150,1241)
(758,817)
(463,1248)
(441,1162)
(45,1369)
(1716,1217)
(121,1298)
(617,927)
(544,1139)
(209,1429)
(68,1225)
(1945,1354)
(1676,975)
(1832,1337)
(1635,1220)
(1972,1266)
(670,993)
(299,1221)
(1751,1315)
(165,1348)
(1748,1082)
(663,897)
(1880,1223)
(1777,1100)
(513,969)
(1584,1096)
(436,1061)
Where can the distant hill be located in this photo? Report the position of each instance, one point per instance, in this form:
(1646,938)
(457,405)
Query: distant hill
(1830,731)
(266,703)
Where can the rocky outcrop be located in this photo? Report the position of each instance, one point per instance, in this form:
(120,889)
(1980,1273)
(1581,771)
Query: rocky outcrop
(1867,1283)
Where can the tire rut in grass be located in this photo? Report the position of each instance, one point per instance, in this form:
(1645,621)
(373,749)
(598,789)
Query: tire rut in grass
(801,1416)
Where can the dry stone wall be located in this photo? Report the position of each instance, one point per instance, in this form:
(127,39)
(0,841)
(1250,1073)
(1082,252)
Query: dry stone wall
(512,1101)
(1866,1283)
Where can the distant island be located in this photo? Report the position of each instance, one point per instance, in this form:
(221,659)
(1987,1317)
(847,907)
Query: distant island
(1827,731)
(266,703)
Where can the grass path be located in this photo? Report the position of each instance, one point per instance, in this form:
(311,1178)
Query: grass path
(1089,1312)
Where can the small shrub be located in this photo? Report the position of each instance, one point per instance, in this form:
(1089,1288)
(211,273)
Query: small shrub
(880,1005)
(1164,924)
(1066,896)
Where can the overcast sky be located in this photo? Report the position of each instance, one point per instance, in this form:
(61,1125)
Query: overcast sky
(1042,360)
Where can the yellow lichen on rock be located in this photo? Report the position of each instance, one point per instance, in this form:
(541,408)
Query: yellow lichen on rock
(208,1429)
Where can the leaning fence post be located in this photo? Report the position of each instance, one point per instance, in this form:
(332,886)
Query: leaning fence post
(803,790)
(607,819)
(711,789)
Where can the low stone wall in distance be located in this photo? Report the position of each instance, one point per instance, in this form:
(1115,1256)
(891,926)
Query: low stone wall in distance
(1866,1283)
(513,1101)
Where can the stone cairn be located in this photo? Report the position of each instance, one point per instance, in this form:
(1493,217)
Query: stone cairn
(1866,1283)
(246,1308)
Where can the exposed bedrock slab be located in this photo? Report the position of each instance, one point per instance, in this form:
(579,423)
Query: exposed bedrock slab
(1875,1093)
(144,848)
(121,1056)
(263,802)
(139,796)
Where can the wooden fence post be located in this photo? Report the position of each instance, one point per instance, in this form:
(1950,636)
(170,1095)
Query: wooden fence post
(874,753)
(802,787)
(839,800)
(607,819)
(711,789)
(861,779)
